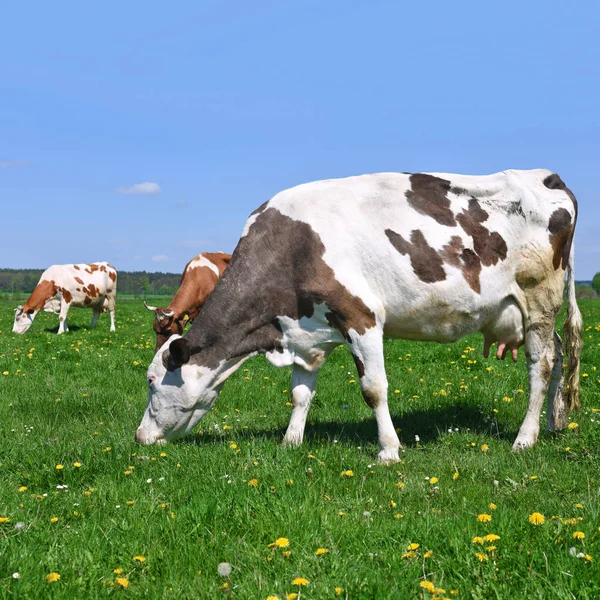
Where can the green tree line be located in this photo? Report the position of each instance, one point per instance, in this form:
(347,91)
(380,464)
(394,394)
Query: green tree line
(136,283)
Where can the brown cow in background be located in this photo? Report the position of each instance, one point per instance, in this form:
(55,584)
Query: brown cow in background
(197,282)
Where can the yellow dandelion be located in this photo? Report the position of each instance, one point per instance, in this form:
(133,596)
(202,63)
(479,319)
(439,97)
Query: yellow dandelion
(77,465)
(456,475)
(428,554)
(52,577)
(117,571)
(23,488)
(59,467)
(484,518)
(300,581)
(140,558)
(409,554)
(433,480)
(398,516)
(578,505)
(400,484)
(537,518)
(339,591)
(588,558)
(286,553)
(4,520)
(54,520)
(490,548)
(578,535)
(347,473)
(477,540)
(481,556)
(122,582)
(321,551)
(273,598)
(491,537)
(253,482)
(291,596)
(427,585)
(492,506)
(392,504)
(413,546)
(484,447)
(573,425)
(280,543)
(341,513)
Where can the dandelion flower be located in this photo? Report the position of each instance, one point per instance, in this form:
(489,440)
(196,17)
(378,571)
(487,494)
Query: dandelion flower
(23,488)
(321,551)
(122,582)
(52,577)
(427,585)
(481,556)
(433,480)
(588,558)
(428,554)
(491,537)
(117,571)
(339,591)
(224,569)
(537,518)
(300,581)
(578,535)
(77,465)
(484,447)
(413,546)
(280,543)
(400,484)
(409,554)
(4,520)
(253,482)
(492,506)
(59,467)
(484,518)
(54,520)
(477,540)
(291,596)
(347,473)
(456,475)
(573,425)
(140,558)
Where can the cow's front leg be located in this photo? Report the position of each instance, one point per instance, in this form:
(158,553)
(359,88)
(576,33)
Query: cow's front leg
(557,409)
(62,318)
(367,351)
(539,350)
(304,384)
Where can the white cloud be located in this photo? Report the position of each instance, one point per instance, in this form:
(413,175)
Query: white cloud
(9,164)
(194,244)
(160,258)
(148,187)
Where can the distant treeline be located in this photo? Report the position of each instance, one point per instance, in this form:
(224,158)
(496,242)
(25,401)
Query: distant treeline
(136,283)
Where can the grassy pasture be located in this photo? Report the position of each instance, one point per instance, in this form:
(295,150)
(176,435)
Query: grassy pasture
(230,490)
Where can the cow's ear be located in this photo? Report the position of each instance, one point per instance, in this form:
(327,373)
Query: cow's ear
(177,354)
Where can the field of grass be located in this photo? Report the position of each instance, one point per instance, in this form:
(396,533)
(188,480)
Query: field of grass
(79,498)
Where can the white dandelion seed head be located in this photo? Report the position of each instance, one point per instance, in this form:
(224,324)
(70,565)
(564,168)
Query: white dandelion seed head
(16,575)
(20,525)
(224,569)
(417,438)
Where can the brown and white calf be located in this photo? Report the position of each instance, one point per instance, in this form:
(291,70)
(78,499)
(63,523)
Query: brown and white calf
(197,282)
(62,286)
(429,257)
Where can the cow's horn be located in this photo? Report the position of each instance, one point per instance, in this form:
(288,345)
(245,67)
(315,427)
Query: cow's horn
(168,313)
(152,308)
(20,307)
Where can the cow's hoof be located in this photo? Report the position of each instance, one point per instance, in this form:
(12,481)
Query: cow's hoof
(522,444)
(388,456)
(291,440)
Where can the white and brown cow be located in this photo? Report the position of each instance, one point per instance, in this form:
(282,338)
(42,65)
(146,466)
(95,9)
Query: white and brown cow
(197,282)
(62,286)
(429,257)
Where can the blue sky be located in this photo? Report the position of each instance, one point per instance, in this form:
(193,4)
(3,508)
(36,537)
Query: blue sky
(216,106)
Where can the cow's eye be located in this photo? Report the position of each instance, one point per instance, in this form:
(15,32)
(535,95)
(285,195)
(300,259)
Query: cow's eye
(150,380)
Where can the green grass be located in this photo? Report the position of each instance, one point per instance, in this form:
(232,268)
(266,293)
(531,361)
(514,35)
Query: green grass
(186,507)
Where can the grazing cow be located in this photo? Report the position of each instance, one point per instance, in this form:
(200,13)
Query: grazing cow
(429,257)
(197,282)
(62,286)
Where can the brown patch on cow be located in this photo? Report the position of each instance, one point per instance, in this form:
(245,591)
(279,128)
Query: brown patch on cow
(276,270)
(554,182)
(112,275)
(455,254)
(102,269)
(87,300)
(371,398)
(76,268)
(428,196)
(43,291)
(67,295)
(490,247)
(93,291)
(360,366)
(561,234)
(78,280)
(94,267)
(425,260)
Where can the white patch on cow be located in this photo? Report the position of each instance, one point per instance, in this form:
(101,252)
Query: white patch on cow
(249,223)
(202,261)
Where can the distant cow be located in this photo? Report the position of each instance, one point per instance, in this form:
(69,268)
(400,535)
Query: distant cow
(430,257)
(62,286)
(197,281)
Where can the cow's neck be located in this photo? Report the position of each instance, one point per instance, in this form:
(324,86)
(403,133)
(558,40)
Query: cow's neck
(42,293)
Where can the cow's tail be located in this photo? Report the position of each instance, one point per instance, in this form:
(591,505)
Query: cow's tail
(573,341)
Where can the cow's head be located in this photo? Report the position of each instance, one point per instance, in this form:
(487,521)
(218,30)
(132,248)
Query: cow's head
(180,392)
(23,319)
(165,324)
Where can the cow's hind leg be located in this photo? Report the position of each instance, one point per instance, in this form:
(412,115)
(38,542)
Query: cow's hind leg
(367,351)
(557,409)
(111,308)
(95,316)
(540,353)
(304,384)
